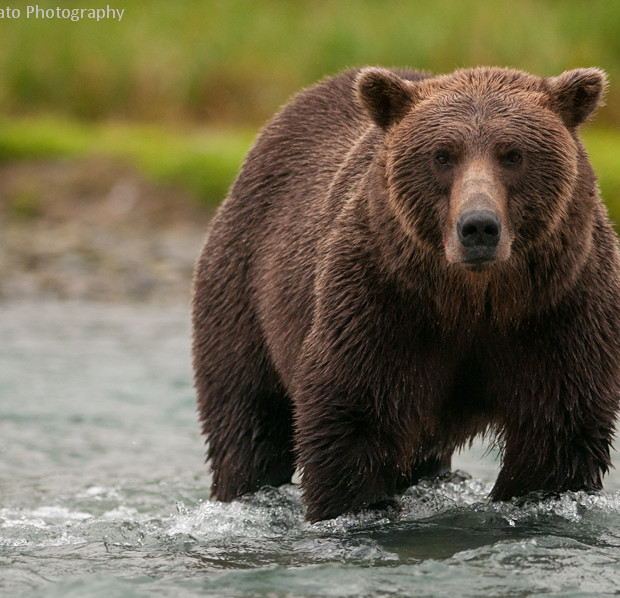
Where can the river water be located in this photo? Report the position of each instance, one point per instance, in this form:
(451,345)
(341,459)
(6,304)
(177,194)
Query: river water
(103,491)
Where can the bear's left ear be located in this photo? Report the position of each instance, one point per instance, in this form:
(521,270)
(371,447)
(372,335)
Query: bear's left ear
(576,94)
(386,96)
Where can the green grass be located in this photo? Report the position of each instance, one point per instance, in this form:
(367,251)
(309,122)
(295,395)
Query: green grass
(604,149)
(206,162)
(203,162)
(236,61)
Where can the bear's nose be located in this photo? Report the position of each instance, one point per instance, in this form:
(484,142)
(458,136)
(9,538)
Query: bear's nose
(479,228)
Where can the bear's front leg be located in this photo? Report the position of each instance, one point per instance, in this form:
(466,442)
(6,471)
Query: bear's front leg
(559,408)
(347,463)
(540,459)
(361,386)
(357,416)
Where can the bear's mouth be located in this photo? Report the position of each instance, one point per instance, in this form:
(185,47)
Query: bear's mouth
(478,265)
(478,258)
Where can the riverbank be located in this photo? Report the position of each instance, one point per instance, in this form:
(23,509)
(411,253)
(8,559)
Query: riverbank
(95,229)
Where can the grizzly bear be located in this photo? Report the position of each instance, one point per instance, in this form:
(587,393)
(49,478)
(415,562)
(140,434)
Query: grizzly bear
(405,262)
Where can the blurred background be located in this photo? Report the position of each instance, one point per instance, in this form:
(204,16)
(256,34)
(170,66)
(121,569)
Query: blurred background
(119,139)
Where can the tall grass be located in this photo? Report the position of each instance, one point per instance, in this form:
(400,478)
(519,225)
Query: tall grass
(235,61)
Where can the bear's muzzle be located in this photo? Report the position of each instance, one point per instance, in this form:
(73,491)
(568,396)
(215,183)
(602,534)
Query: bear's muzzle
(479,232)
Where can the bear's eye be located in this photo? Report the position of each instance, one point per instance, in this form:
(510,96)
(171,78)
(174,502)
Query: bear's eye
(513,157)
(443,158)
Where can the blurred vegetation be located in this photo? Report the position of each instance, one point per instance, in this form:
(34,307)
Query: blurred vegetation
(235,61)
(218,68)
(204,162)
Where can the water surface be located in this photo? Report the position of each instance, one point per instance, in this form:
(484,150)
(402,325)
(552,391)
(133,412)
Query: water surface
(103,491)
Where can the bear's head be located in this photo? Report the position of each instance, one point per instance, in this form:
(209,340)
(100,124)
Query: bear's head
(483,164)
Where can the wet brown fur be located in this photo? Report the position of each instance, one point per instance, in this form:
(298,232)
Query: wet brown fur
(335,331)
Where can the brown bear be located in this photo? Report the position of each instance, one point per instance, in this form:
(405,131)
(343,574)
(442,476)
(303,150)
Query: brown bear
(405,262)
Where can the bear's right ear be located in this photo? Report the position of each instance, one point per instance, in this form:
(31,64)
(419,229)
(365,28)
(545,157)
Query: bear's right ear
(386,96)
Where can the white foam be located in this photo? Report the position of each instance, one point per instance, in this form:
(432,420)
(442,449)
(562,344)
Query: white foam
(41,517)
(268,513)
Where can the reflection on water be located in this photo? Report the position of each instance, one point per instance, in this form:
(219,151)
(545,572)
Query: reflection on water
(104,491)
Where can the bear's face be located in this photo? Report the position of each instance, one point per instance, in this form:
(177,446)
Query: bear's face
(481,164)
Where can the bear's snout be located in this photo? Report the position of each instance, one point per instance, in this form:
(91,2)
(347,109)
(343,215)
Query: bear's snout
(479,232)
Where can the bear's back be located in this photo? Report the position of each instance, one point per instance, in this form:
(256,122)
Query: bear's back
(298,153)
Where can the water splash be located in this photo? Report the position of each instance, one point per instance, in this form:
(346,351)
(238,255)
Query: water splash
(443,528)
